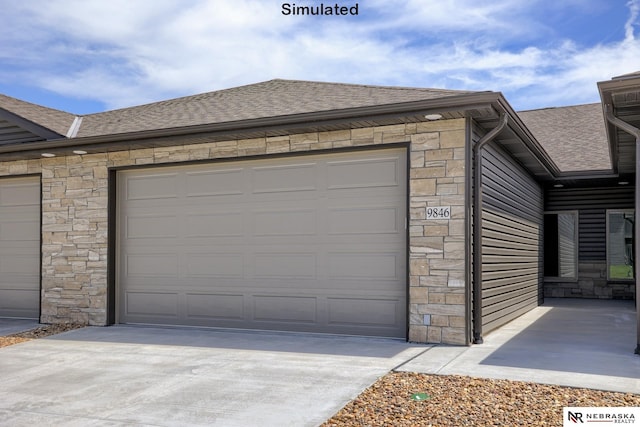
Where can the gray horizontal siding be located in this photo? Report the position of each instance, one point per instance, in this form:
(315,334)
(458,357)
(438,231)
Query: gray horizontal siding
(511,239)
(591,204)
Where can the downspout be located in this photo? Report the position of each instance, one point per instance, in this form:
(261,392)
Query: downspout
(621,124)
(477,226)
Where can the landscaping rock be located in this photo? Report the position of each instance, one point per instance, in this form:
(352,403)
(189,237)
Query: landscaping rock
(465,401)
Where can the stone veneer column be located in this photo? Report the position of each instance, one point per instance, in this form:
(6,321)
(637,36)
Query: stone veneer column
(437,247)
(74,239)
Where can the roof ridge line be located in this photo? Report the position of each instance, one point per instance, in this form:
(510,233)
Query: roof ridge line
(559,107)
(370,85)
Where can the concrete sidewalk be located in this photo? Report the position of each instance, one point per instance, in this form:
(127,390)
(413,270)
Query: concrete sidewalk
(569,342)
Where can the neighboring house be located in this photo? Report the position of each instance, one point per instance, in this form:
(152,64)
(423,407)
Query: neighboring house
(317,207)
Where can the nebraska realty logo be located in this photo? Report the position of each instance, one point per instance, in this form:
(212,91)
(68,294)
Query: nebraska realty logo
(614,416)
(320,9)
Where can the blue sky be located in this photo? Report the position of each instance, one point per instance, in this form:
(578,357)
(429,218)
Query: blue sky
(86,56)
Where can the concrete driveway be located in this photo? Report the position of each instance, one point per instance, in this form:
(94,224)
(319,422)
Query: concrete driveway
(121,375)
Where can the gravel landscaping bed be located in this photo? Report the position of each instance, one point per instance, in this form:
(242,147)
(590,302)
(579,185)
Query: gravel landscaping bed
(39,332)
(464,401)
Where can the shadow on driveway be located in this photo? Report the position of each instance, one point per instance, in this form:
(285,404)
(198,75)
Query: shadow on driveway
(243,340)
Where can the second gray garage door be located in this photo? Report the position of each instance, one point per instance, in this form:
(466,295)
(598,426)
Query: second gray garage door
(307,243)
(20,247)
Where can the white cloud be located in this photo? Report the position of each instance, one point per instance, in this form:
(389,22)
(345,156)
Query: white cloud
(125,52)
(634,9)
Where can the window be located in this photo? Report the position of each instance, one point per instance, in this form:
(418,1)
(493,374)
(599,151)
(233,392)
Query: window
(561,245)
(620,250)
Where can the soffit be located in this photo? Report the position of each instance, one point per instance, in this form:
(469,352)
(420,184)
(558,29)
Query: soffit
(24,122)
(621,96)
(520,142)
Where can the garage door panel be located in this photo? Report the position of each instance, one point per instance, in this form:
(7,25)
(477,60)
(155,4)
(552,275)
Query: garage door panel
(20,193)
(20,247)
(18,300)
(219,224)
(284,265)
(219,306)
(363,311)
(285,223)
(214,183)
(158,304)
(279,179)
(152,226)
(276,308)
(215,265)
(152,265)
(18,265)
(26,230)
(153,186)
(363,173)
(285,254)
(363,220)
(367,265)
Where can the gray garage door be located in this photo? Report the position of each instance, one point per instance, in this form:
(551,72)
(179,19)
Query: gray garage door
(306,243)
(20,247)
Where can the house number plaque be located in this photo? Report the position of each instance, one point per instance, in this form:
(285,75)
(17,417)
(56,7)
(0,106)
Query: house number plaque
(439,212)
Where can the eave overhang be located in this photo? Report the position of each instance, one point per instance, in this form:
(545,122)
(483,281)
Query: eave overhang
(15,129)
(518,140)
(484,107)
(621,98)
(378,115)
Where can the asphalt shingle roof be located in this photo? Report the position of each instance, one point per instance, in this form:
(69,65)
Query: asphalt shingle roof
(272,98)
(575,137)
(55,120)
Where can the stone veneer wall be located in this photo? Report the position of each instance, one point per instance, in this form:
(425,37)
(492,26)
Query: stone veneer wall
(592,283)
(75,218)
